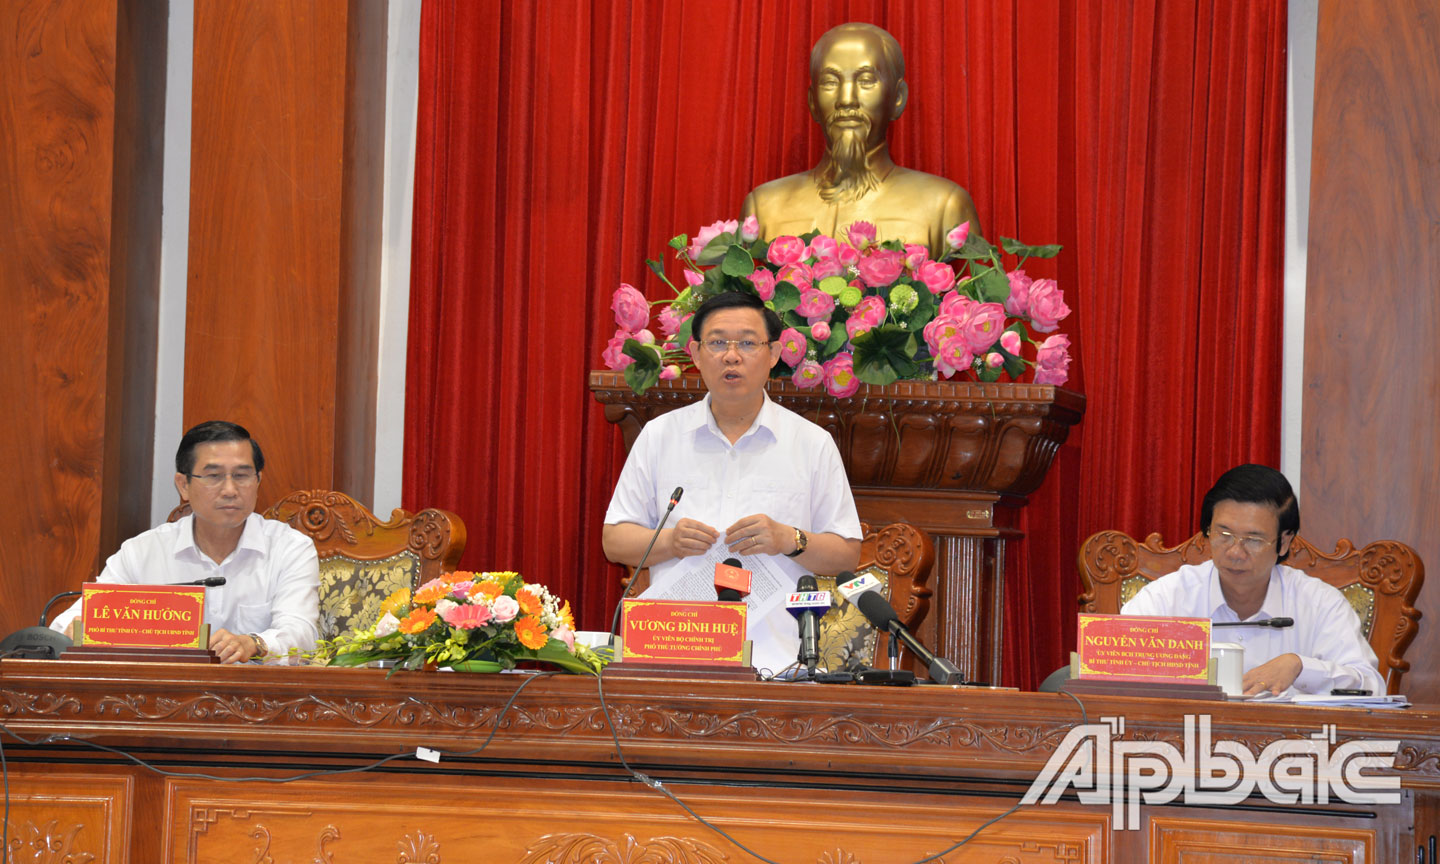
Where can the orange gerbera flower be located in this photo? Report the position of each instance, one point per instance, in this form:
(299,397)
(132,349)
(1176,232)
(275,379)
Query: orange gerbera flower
(432,591)
(417,621)
(566,617)
(531,632)
(395,602)
(457,576)
(488,590)
(529,603)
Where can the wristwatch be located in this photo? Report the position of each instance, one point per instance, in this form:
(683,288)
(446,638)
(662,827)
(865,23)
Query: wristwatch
(800,543)
(261,649)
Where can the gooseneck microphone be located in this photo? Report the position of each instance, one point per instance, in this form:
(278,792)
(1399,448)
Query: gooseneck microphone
(619,604)
(45,613)
(208,582)
(882,615)
(807,604)
(1277,623)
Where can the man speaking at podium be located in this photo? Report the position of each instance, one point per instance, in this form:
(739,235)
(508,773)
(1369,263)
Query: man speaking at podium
(270,602)
(759,479)
(1250,517)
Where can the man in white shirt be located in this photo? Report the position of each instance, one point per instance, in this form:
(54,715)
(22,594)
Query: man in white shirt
(1250,517)
(269,605)
(773,479)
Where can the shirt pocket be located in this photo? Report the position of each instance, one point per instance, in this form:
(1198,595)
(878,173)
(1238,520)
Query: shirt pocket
(252,617)
(783,499)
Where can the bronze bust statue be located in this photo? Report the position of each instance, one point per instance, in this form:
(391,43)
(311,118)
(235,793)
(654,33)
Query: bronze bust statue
(857,88)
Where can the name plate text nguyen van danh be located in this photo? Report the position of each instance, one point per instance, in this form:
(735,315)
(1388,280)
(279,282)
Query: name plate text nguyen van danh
(684,632)
(1152,650)
(143,616)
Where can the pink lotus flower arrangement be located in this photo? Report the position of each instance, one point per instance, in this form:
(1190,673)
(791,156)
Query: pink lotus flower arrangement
(856,309)
(470,621)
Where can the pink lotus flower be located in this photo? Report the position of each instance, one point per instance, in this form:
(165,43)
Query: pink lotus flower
(1047,305)
(710,232)
(994,360)
(764,282)
(983,327)
(466,617)
(881,267)
(868,314)
(815,303)
(1010,341)
(820,331)
(797,274)
(645,337)
(860,235)
(670,321)
(749,232)
(1018,303)
(505,608)
(808,374)
(954,356)
(826,267)
(1052,360)
(840,380)
(938,277)
(915,255)
(942,328)
(849,256)
(613,354)
(670,373)
(792,345)
(785,249)
(693,277)
(956,237)
(632,311)
(822,248)
(956,304)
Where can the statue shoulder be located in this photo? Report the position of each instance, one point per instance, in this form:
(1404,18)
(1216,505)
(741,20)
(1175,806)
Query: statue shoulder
(782,188)
(933,185)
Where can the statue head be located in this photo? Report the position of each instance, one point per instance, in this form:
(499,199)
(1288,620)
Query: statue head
(857,88)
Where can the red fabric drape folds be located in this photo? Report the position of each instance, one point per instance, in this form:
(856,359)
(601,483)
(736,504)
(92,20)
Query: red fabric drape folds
(560,144)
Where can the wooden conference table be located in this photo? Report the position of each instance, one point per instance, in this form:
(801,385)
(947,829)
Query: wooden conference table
(833,774)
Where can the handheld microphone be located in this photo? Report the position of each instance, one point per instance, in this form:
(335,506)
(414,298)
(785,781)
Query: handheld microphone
(732,582)
(1277,623)
(208,582)
(807,604)
(881,614)
(619,604)
(852,586)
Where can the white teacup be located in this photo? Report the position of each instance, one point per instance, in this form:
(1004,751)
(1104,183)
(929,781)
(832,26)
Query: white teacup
(1229,660)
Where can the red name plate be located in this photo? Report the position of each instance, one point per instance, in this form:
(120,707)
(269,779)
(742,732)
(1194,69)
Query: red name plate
(684,632)
(1135,648)
(143,616)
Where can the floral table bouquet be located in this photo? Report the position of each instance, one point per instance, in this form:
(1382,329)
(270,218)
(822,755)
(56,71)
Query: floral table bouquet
(856,309)
(474,622)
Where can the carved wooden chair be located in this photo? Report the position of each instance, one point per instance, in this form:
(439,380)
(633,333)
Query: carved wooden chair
(900,556)
(1380,580)
(362,559)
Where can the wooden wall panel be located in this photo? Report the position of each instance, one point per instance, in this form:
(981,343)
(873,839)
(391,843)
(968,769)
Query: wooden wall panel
(57,115)
(1371,426)
(274,200)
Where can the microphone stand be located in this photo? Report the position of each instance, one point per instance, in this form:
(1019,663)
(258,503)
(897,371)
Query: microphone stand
(620,604)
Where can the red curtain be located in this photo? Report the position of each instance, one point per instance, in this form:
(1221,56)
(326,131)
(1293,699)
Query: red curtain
(562,143)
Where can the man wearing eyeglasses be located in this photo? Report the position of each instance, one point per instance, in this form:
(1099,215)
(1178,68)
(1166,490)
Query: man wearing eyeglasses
(1250,518)
(758,478)
(269,605)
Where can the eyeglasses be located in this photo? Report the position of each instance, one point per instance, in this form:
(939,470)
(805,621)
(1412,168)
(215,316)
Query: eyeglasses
(215,479)
(746,347)
(1251,544)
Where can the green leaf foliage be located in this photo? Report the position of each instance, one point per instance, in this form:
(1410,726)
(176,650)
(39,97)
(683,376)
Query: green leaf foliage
(715,251)
(737,262)
(658,269)
(645,371)
(884,355)
(787,297)
(1015,247)
(975,248)
(991,286)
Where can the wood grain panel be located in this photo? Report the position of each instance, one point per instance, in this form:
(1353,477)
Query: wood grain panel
(1371,426)
(57,119)
(70,817)
(265,214)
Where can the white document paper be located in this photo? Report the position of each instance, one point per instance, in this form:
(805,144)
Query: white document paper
(693,578)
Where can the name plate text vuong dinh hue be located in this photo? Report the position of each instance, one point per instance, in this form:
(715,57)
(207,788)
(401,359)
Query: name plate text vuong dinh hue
(684,632)
(1137,648)
(143,616)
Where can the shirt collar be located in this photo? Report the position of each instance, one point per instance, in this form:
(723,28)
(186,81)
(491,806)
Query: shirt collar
(764,421)
(252,538)
(1220,609)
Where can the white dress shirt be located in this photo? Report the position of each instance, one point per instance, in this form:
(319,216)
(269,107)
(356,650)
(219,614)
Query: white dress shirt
(783,466)
(1326,635)
(272,585)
